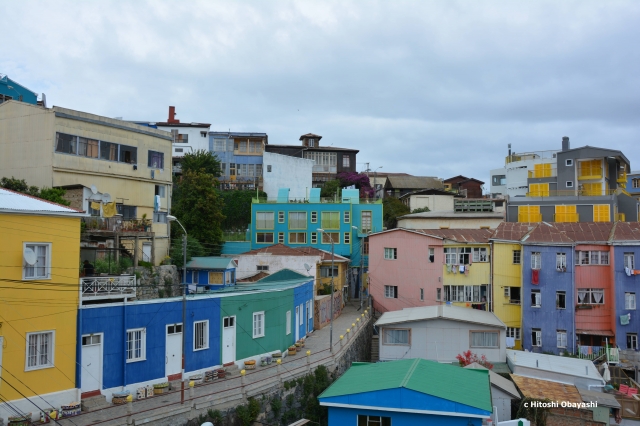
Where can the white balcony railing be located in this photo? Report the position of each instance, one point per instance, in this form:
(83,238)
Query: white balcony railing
(108,287)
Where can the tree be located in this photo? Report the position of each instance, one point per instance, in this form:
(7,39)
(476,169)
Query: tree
(20,185)
(345,179)
(330,188)
(237,208)
(194,249)
(393,208)
(201,161)
(199,206)
(420,210)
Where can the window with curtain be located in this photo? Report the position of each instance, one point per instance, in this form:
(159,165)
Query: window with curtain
(109,151)
(66,144)
(88,147)
(484,339)
(591,296)
(39,350)
(41,268)
(365,222)
(330,220)
(395,336)
(264,220)
(297,220)
(629,300)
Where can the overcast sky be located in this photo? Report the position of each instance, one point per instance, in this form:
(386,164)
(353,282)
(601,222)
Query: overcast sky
(432,88)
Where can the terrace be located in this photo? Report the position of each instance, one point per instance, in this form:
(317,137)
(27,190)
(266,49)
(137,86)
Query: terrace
(107,287)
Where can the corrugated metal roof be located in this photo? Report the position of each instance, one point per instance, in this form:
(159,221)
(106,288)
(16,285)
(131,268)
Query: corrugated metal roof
(468,387)
(258,286)
(253,278)
(461,235)
(285,250)
(414,182)
(547,233)
(497,380)
(544,389)
(586,231)
(211,262)
(512,231)
(12,201)
(603,399)
(450,312)
(284,275)
(557,364)
(627,231)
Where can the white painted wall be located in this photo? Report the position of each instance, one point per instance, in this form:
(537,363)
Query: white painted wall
(196,140)
(248,264)
(502,401)
(453,223)
(286,172)
(518,173)
(435,203)
(440,340)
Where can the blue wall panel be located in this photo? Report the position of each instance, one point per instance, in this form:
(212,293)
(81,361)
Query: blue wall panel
(624,284)
(349,416)
(301,295)
(548,318)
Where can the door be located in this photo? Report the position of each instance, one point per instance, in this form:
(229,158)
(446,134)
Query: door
(228,339)
(146,252)
(173,352)
(91,375)
(295,324)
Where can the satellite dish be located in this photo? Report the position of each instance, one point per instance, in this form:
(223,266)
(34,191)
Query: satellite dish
(106,197)
(29,256)
(307,267)
(94,190)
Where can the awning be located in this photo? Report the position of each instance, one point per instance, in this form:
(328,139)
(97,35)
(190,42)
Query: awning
(607,333)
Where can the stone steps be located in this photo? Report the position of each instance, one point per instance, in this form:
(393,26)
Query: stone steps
(94,403)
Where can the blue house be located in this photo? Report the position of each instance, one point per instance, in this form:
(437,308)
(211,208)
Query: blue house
(627,281)
(407,393)
(548,305)
(633,184)
(11,90)
(210,273)
(240,155)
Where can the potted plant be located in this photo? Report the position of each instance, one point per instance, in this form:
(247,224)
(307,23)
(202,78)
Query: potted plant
(292,350)
(298,346)
(250,364)
(146,223)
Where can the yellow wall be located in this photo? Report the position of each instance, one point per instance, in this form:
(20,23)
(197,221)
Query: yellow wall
(338,282)
(506,274)
(32,306)
(479,273)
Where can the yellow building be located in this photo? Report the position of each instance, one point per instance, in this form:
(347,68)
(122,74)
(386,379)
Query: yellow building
(127,166)
(40,254)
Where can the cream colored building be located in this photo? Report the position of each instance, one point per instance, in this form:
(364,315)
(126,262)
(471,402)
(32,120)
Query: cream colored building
(452,220)
(59,147)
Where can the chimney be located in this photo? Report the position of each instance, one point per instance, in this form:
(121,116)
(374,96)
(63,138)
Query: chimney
(565,143)
(172,115)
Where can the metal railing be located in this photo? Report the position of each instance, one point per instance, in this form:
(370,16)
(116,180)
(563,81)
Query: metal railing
(116,224)
(530,217)
(542,173)
(108,286)
(566,217)
(530,156)
(324,200)
(573,193)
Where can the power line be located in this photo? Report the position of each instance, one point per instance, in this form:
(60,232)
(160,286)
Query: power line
(25,397)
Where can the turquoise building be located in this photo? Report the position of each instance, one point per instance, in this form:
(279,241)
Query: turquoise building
(10,90)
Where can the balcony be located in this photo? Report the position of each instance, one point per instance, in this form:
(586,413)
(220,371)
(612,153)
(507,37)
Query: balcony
(536,155)
(587,192)
(108,287)
(542,172)
(566,217)
(530,217)
(115,225)
(330,200)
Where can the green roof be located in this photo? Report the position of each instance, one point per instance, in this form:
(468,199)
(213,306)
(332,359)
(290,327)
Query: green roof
(284,275)
(211,262)
(466,386)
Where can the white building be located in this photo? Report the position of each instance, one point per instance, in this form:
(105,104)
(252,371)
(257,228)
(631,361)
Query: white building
(512,180)
(503,391)
(451,220)
(283,171)
(436,200)
(440,333)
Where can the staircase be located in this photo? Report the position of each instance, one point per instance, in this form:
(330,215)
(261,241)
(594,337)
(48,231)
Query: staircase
(94,403)
(375,349)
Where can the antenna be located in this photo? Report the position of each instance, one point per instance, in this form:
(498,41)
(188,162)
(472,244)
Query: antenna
(29,256)
(307,267)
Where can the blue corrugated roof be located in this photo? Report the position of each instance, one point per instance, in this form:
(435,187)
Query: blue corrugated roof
(211,262)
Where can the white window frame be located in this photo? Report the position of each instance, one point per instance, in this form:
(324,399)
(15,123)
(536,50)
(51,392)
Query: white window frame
(537,302)
(258,331)
(301,316)
(288,316)
(634,340)
(629,260)
(387,332)
(629,300)
(569,184)
(451,255)
(310,311)
(143,345)
(280,217)
(347,237)
(439,294)
(390,253)
(265,218)
(484,339)
(314,217)
(280,237)
(536,260)
(391,291)
(569,162)
(589,296)
(262,267)
(50,356)
(204,341)
(538,338)
(480,254)
(513,332)
(432,255)
(314,238)
(47,267)
(561,338)
(561,261)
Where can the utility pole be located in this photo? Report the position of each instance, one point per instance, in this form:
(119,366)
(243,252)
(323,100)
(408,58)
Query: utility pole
(332,310)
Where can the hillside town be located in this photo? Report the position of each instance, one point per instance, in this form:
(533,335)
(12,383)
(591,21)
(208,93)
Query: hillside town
(166,272)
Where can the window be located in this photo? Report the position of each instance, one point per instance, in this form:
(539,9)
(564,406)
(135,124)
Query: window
(569,184)
(465,293)
(593,257)
(159,217)
(312,143)
(629,300)
(538,190)
(160,190)
(347,217)
(41,269)
(297,237)
(591,296)
(484,339)
(373,420)
(216,277)
(268,168)
(601,213)
(347,237)
(365,247)
(536,261)
(463,255)
(88,147)
(438,294)
(561,262)
(345,161)
(450,256)
(561,338)
(40,350)
(301,315)
(325,271)
(479,254)
(200,335)
(297,220)
(632,340)
(422,294)
(365,222)
(516,257)
(529,214)
(330,220)
(92,339)
(499,180)
(258,324)
(127,212)
(156,160)
(66,143)
(635,183)
(314,217)
(513,332)
(314,238)
(264,220)
(262,267)
(566,214)
(394,336)
(264,237)
(391,291)
(128,154)
(629,261)
(390,253)
(536,337)
(561,300)
(513,294)
(288,322)
(232,169)
(109,151)
(280,237)
(194,275)
(568,162)
(431,255)
(280,217)
(536,299)
(258,170)
(310,312)
(328,237)
(243,146)
(136,344)
(219,145)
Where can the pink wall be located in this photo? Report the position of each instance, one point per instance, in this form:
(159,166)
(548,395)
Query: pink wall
(411,271)
(600,317)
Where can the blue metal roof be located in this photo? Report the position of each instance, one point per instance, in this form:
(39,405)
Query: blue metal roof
(211,262)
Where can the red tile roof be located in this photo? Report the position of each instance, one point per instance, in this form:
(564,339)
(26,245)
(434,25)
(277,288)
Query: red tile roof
(512,231)
(284,250)
(461,235)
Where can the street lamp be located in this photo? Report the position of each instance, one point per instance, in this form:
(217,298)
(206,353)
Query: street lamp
(375,180)
(332,311)
(184,298)
(361,266)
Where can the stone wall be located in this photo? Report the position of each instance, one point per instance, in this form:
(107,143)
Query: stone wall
(157,282)
(571,417)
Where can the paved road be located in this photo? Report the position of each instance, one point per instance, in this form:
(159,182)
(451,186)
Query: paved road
(230,391)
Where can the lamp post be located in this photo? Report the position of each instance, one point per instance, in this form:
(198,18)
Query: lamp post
(184,299)
(331,321)
(375,181)
(361,266)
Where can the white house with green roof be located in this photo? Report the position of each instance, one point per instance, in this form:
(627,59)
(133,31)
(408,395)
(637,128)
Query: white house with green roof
(407,393)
